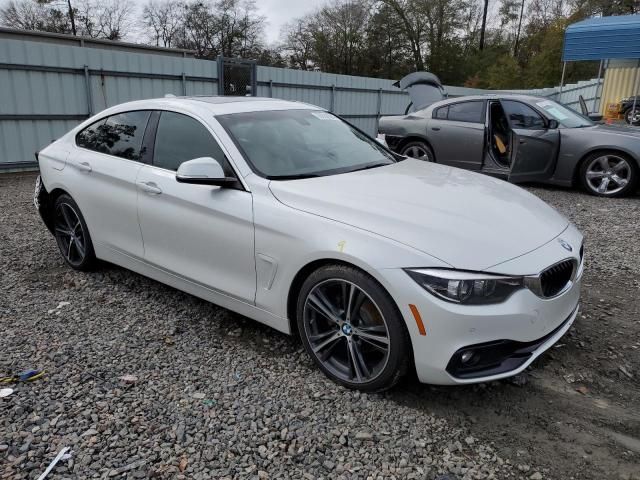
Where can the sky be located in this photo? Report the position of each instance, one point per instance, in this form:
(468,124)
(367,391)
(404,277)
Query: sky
(279,12)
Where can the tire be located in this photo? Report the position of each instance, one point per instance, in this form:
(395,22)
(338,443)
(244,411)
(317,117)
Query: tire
(72,235)
(615,171)
(367,350)
(418,150)
(630,113)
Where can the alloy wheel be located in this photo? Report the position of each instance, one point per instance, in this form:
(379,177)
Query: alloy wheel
(417,152)
(633,117)
(70,234)
(346,331)
(608,174)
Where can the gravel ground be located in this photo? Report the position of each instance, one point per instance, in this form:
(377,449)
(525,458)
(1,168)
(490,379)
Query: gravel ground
(144,381)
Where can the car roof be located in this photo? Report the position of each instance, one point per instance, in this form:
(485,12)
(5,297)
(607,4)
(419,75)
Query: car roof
(218,105)
(490,96)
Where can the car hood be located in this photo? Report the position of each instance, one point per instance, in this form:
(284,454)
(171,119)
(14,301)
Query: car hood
(468,220)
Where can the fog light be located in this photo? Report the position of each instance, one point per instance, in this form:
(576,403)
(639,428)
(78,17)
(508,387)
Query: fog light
(466,356)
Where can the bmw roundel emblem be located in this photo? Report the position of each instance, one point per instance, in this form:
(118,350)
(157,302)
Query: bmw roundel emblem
(565,245)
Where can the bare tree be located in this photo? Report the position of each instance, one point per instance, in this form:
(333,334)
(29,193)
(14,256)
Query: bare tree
(164,21)
(297,43)
(413,24)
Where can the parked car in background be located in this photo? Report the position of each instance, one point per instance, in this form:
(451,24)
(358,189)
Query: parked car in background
(285,213)
(629,107)
(518,137)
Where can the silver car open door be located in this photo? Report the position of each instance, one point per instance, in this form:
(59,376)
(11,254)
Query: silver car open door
(424,88)
(535,142)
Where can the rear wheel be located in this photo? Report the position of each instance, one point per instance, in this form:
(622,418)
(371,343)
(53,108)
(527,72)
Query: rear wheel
(351,328)
(72,234)
(609,174)
(418,150)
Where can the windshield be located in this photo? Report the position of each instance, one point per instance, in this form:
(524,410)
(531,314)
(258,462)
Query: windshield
(564,115)
(288,144)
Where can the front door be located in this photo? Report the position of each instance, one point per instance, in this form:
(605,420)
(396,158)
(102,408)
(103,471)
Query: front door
(535,145)
(199,232)
(457,134)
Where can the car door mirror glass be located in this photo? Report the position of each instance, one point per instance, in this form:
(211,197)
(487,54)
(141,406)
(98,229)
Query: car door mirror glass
(553,123)
(203,171)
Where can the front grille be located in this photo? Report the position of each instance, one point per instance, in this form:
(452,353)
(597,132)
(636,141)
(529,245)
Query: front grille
(555,278)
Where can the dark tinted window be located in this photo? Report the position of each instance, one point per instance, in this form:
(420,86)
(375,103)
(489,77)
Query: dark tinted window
(120,135)
(441,113)
(467,112)
(181,138)
(522,116)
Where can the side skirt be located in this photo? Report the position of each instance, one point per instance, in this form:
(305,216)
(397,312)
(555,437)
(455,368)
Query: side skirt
(201,291)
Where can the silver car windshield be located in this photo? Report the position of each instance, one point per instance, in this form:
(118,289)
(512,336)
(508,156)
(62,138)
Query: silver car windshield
(289,144)
(565,116)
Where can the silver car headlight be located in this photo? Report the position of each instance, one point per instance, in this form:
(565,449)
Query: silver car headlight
(466,288)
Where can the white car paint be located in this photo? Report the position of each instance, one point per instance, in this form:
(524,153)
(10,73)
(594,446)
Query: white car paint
(243,249)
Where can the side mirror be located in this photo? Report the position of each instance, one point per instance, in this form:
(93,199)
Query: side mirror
(204,171)
(553,123)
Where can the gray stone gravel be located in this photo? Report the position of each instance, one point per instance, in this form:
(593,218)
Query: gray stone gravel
(214,395)
(144,381)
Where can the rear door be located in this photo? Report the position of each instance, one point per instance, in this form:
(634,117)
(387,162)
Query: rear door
(456,132)
(535,145)
(200,232)
(107,160)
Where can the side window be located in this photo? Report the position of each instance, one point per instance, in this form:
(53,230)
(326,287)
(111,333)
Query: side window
(441,113)
(180,138)
(120,135)
(522,116)
(88,138)
(467,112)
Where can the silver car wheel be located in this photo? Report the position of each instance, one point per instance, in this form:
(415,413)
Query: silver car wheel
(608,174)
(417,152)
(346,331)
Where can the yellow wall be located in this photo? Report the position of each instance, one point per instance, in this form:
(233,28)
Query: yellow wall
(619,81)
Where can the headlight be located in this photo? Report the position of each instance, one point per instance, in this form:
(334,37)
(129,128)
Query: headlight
(466,287)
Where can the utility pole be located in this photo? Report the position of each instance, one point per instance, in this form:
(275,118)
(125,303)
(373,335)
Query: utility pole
(515,48)
(484,23)
(72,18)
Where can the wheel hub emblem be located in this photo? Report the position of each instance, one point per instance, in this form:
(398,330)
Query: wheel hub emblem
(565,245)
(346,329)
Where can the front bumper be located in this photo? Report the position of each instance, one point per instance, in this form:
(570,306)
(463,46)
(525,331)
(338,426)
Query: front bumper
(511,334)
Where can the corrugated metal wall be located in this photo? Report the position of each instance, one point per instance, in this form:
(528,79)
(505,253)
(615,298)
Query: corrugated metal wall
(620,81)
(49,83)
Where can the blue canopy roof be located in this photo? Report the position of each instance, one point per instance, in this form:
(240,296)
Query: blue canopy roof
(602,38)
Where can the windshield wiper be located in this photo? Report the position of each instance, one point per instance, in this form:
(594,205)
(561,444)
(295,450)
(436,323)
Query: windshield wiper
(298,176)
(367,167)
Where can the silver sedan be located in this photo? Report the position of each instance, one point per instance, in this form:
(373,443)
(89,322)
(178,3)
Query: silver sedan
(522,138)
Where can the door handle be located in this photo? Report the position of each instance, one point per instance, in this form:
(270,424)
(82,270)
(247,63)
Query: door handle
(522,142)
(435,128)
(84,166)
(150,187)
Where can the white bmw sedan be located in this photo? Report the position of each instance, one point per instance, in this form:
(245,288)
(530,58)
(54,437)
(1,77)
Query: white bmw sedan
(285,213)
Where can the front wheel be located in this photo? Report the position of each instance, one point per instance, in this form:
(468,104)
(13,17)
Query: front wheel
(351,328)
(609,174)
(418,150)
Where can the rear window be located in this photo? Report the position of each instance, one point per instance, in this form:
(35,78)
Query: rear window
(119,135)
(467,112)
